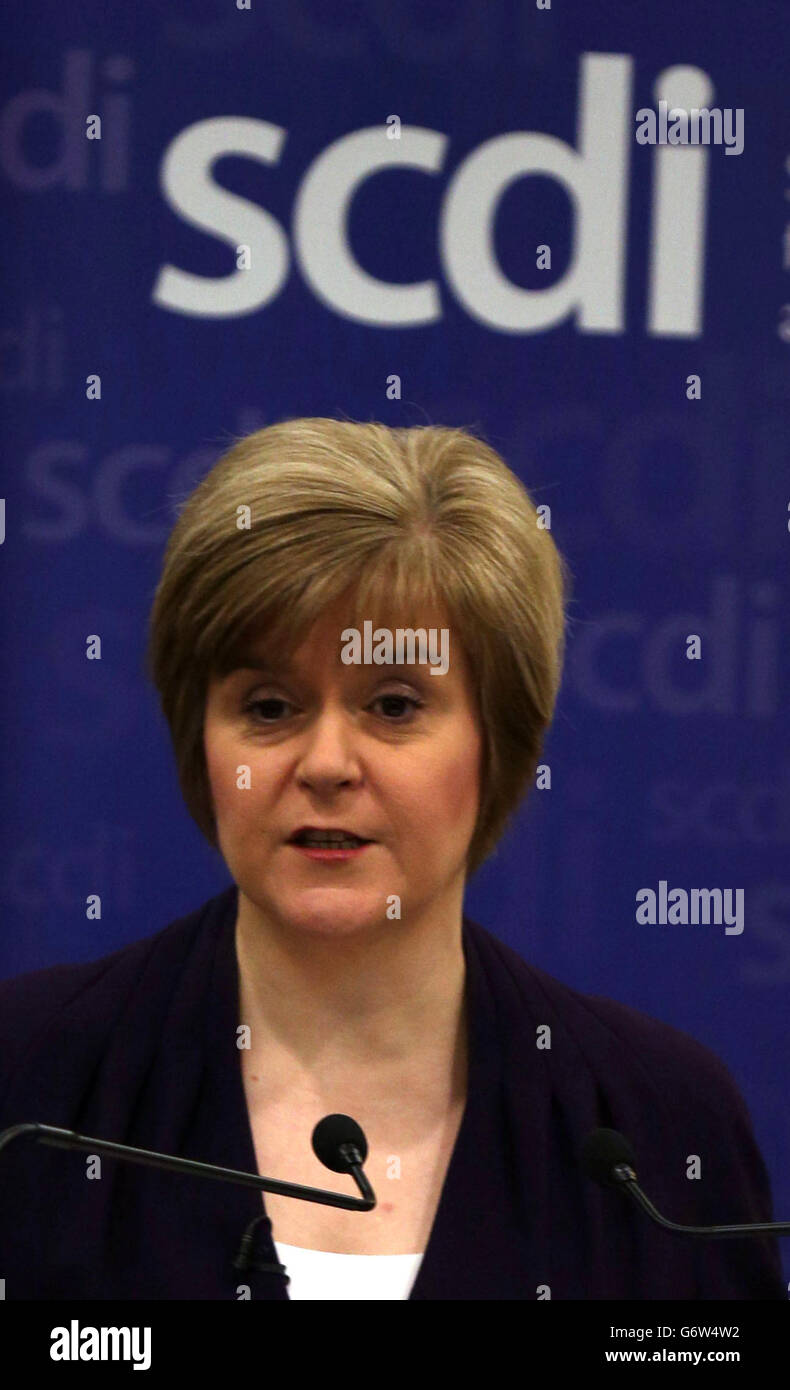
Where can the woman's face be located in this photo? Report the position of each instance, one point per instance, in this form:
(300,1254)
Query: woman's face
(341,746)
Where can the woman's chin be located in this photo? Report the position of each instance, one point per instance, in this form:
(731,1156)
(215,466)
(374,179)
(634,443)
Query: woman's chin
(333,911)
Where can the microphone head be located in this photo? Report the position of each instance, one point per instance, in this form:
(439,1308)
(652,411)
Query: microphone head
(330,1133)
(601,1151)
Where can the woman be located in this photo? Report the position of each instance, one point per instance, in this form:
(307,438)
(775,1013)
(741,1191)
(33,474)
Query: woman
(309,586)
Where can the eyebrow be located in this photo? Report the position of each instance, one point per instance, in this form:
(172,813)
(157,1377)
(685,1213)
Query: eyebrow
(249,661)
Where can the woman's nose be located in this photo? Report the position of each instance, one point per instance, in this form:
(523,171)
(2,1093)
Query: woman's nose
(329,752)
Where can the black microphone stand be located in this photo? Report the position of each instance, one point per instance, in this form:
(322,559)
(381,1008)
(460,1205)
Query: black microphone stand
(70,1139)
(624,1177)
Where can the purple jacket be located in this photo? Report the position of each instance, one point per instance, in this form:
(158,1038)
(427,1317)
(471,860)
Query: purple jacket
(140,1047)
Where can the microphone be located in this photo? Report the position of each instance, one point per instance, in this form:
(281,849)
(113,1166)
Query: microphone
(338,1142)
(608,1158)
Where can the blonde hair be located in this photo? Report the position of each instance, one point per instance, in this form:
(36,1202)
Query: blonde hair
(404,516)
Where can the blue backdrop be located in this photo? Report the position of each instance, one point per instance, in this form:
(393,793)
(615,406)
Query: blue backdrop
(393,172)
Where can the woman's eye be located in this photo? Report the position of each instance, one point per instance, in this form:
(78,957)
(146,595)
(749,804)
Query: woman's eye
(256,709)
(400,699)
(254,705)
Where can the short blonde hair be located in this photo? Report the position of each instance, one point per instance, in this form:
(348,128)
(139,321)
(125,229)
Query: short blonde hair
(403,517)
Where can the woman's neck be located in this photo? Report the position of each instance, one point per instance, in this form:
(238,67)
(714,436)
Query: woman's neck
(392,1001)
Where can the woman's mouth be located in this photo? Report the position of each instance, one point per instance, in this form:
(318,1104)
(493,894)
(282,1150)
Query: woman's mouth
(329,846)
(332,851)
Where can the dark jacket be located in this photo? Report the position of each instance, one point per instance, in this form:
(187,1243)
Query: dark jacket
(140,1047)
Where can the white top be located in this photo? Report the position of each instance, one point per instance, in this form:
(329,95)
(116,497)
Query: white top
(322,1274)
